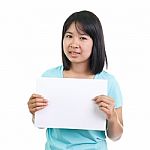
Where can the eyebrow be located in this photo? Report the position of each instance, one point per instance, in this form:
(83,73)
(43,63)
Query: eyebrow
(69,32)
(78,32)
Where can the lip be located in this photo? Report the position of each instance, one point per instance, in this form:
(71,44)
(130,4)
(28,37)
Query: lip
(74,54)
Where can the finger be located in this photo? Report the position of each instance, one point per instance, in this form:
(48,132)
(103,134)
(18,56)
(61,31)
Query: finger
(41,100)
(101,100)
(104,99)
(102,104)
(33,110)
(38,104)
(35,96)
(97,97)
(36,100)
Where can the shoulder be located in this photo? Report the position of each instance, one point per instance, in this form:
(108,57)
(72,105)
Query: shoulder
(105,75)
(109,77)
(53,72)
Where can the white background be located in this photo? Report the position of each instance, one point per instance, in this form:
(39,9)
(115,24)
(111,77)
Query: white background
(30,43)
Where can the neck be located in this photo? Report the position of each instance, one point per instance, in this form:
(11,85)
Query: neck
(78,71)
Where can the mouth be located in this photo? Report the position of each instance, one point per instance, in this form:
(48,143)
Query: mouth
(74,54)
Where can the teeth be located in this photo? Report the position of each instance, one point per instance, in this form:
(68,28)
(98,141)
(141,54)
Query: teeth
(74,52)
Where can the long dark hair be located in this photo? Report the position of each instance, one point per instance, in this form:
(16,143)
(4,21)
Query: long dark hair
(91,25)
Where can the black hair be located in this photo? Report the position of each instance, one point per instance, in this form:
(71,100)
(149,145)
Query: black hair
(91,25)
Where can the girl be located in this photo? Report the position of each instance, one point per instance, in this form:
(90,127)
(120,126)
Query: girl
(83,56)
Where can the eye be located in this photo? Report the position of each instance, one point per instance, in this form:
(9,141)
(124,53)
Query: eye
(83,38)
(68,36)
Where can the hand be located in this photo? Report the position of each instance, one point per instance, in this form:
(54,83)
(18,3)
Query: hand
(106,104)
(36,103)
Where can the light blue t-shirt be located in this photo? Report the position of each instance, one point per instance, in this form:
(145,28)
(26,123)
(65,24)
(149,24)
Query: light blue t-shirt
(75,139)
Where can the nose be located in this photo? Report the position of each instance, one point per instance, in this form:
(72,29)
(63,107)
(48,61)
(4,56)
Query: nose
(74,43)
(73,46)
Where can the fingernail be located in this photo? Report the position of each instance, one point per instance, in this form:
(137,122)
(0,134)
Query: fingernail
(45,100)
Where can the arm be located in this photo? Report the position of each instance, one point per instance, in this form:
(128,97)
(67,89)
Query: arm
(115,125)
(113,116)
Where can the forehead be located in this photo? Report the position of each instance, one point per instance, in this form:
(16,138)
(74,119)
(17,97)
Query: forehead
(76,27)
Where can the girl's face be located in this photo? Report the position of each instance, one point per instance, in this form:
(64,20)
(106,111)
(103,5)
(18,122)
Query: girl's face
(77,45)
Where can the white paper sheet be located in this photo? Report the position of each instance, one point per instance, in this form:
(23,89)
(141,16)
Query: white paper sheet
(70,103)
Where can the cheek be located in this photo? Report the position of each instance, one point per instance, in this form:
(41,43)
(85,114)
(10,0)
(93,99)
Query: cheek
(87,52)
(88,49)
(65,44)
(90,45)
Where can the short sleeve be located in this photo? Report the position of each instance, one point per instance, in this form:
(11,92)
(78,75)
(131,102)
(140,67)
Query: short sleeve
(53,72)
(115,92)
